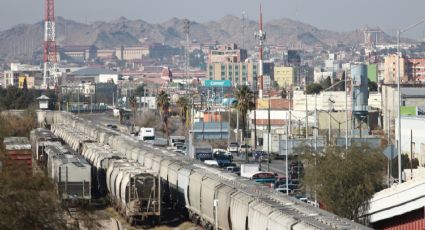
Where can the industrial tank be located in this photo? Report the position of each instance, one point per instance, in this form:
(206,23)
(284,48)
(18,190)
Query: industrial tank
(360,91)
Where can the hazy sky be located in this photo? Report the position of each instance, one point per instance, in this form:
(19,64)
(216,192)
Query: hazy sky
(338,15)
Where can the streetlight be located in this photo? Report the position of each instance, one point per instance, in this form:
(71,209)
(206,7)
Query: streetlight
(399,94)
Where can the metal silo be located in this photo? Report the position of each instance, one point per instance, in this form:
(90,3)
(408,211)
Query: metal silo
(360,91)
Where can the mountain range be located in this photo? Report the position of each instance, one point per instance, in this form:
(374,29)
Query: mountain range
(24,40)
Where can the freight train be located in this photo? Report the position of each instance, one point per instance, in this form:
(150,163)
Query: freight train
(211,197)
(69,171)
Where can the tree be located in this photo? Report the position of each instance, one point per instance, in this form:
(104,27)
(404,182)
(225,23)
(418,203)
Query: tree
(25,85)
(313,88)
(339,86)
(244,102)
(140,90)
(406,163)
(133,106)
(183,104)
(344,183)
(284,93)
(163,104)
(326,83)
(373,87)
(27,200)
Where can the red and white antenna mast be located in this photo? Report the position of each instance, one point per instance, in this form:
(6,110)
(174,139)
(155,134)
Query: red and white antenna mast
(49,45)
(261,36)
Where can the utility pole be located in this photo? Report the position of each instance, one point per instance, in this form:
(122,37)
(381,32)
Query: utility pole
(329,131)
(229,113)
(306,115)
(411,154)
(346,114)
(186,31)
(269,138)
(255,120)
(237,125)
(316,131)
(286,156)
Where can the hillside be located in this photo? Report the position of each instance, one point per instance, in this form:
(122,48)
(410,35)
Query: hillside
(23,40)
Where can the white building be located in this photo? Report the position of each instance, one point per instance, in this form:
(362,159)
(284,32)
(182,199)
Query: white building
(414,125)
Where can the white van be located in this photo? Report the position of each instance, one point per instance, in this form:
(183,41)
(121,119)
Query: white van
(147,134)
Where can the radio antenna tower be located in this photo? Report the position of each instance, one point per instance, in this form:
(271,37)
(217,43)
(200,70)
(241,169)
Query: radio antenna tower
(49,46)
(261,36)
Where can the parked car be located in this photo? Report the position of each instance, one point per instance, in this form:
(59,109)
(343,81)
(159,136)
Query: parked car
(244,148)
(221,154)
(283,190)
(233,147)
(233,169)
(290,186)
(260,155)
(111,126)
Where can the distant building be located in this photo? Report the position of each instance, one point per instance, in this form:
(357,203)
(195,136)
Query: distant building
(18,72)
(29,81)
(240,73)
(93,74)
(284,76)
(227,53)
(78,53)
(391,69)
(411,95)
(293,58)
(160,51)
(416,69)
(105,54)
(166,74)
(131,53)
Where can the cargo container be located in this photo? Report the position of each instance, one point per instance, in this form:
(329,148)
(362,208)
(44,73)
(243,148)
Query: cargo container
(18,151)
(247,170)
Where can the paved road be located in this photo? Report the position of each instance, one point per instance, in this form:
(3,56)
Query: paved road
(277,166)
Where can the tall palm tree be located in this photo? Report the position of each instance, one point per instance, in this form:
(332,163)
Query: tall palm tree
(183,104)
(163,104)
(244,103)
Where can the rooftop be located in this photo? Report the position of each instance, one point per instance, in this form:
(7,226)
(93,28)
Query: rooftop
(92,71)
(16,143)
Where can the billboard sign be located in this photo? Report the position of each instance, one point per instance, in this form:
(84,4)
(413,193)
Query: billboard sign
(218,83)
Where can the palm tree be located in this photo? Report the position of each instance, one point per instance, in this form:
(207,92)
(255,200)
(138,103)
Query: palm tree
(163,104)
(244,103)
(183,104)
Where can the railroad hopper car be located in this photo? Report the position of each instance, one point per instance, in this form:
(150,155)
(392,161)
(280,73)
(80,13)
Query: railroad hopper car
(40,138)
(211,197)
(70,172)
(134,190)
